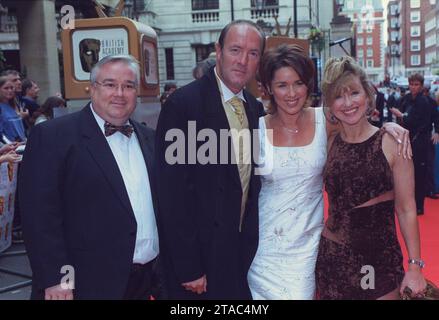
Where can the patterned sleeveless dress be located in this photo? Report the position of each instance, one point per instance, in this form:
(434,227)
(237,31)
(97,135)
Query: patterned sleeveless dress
(359,254)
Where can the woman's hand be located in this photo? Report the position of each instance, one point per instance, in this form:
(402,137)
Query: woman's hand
(8,147)
(414,280)
(11,156)
(402,136)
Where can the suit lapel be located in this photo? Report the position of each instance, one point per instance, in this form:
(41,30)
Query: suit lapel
(146,145)
(98,147)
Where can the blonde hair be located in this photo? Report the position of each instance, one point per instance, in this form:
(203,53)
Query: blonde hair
(337,76)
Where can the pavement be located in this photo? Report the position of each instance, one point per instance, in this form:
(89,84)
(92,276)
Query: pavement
(15,271)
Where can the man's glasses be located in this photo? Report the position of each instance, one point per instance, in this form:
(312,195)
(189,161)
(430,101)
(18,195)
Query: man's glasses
(110,86)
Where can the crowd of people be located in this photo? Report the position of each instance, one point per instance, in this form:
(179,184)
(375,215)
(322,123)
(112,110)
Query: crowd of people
(19,112)
(136,213)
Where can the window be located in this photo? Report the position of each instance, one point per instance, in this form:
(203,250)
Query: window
(369,28)
(394,23)
(430,40)
(430,24)
(360,28)
(360,54)
(361,63)
(430,57)
(415,16)
(260,4)
(415,31)
(205,4)
(415,60)
(415,4)
(360,41)
(369,40)
(169,57)
(369,63)
(350,5)
(202,51)
(369,52)
(415,45)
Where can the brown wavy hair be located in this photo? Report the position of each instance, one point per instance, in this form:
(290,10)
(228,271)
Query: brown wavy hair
(286,55)
(47,108)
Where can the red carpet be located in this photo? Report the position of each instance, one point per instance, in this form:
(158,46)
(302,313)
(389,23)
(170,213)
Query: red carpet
(429,229)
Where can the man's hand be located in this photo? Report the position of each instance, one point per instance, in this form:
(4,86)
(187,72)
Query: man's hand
(435,138)
(402,136)
(396,112)
(58,293)
(197,286)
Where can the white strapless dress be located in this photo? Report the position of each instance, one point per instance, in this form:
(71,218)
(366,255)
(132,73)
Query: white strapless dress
(290,217)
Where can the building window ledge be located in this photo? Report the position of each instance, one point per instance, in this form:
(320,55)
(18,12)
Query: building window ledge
(205,16)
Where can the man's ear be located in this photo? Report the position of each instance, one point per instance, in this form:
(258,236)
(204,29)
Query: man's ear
(218,51)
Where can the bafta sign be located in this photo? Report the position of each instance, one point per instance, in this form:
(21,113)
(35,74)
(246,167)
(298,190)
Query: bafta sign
(93,39)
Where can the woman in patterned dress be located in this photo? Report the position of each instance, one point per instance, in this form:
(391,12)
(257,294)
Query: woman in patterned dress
(359,254)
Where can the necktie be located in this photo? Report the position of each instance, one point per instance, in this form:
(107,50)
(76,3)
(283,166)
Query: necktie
(110,129)
(238,108)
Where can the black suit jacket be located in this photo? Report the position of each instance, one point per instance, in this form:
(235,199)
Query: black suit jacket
(199,205)
(75,208)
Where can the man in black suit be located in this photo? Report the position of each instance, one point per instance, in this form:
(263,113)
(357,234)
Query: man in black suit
(87,195)
(417,117)
(208,211)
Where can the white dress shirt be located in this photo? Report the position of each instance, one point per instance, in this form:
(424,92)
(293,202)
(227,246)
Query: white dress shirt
(132,166)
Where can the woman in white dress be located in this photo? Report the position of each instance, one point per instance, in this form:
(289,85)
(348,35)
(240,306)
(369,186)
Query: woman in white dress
(291,198)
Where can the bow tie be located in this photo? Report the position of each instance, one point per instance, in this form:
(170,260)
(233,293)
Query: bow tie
(110,129)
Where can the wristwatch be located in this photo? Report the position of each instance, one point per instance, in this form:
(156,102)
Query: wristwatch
(419,262)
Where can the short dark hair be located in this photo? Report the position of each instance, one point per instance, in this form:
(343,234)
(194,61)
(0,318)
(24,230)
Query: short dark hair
(226,29)
(203,67)
(286,55)
(8,72)
(26,84)
(417,77)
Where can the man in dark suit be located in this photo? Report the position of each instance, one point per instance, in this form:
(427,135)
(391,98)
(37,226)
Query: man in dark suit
(417,117)
(87,195)
(208,211)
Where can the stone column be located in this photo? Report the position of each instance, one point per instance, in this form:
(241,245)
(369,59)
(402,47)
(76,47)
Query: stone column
(37,28)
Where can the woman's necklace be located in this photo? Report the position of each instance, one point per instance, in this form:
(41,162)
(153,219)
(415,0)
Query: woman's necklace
(291,130)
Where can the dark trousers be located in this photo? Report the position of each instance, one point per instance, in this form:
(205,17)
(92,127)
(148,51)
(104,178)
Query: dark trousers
(431,188)
(140,282)
(420,157)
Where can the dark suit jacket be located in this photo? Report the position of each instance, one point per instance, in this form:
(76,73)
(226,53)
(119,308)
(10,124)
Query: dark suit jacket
(199,205)
(418,121)
(75,208)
